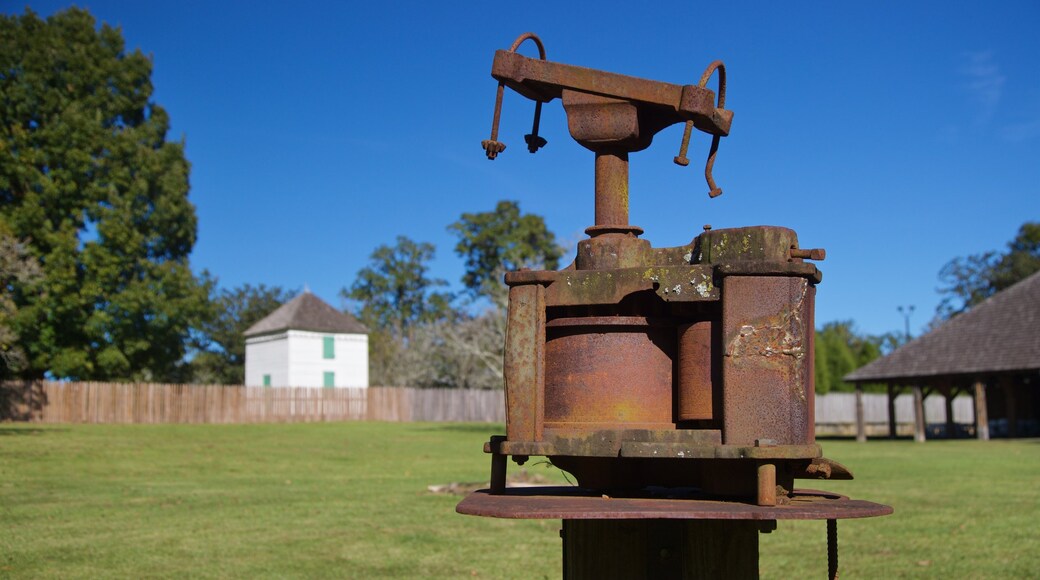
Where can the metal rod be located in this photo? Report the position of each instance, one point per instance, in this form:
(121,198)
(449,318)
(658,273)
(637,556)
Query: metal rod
(612,188)
(767,484)
(832,549)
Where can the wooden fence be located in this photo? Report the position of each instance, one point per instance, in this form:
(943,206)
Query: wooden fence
(88,402)
(61,402)
(836,413)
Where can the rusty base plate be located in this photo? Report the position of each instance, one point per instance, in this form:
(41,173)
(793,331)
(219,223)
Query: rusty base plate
(570,503)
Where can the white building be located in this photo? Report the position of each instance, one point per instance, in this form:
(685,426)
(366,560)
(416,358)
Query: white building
(307,343)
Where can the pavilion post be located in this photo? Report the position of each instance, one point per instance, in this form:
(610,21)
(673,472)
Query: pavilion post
(891,411)
(861,428)
(1010,408)
(981,415)
(919,423)
(951,426)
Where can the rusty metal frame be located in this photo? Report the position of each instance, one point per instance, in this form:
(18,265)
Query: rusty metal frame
(575,504)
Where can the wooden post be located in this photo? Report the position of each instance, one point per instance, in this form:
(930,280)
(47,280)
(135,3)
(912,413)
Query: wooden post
(951,427)
(1010,408)
(861,428)
(891,411)
(981,414)
(651,549)
(919,423)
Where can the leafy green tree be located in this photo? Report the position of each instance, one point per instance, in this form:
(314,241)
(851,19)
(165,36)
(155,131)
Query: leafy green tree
(17,268)
(821,365)
(839,351)
(394,290)
(399,303)
(87,174)
(499,241)
(967,281)
(493,243)
(221,345)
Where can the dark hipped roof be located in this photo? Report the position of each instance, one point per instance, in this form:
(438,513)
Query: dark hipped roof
(1000,334)
(307,312)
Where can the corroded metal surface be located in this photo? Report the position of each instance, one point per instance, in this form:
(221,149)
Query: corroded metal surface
(609,370)
(611,188)
(544,81)
(697,373)
(749,244)
(767,365)
(675,382)
(635,365)
(766,495)
(617,442)
(683,451)
(524,363)
(575,503)
(588,287)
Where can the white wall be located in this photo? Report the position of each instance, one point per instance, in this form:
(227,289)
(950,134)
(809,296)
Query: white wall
(308,364)
(297,359)
(267,355)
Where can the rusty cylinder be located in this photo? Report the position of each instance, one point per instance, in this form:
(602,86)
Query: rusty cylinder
(609,372)
(694,384)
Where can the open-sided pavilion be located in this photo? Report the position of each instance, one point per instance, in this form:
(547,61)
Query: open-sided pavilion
(992,352)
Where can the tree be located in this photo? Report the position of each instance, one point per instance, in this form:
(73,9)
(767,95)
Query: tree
(473,349)
(493,243)
(87,174)
(398,303)
(418,336)
(839,351)
(220,339)
(499,241)
(394,290)
(17,268)
(969,280)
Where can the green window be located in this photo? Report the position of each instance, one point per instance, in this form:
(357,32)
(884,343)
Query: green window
(267,380)
(330,347)
(330,379)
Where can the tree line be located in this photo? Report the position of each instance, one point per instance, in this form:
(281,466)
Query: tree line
(96,231)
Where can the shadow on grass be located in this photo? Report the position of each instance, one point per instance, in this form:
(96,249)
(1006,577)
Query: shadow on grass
(21,400)
(930,440)
(6,431)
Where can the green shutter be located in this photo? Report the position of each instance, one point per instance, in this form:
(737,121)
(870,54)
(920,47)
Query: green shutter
(330,379)
(267,380)
(330,347)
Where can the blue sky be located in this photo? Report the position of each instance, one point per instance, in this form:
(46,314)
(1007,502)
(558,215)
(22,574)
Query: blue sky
(895,135)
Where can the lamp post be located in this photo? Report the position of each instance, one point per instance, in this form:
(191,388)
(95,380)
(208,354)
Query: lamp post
(906,312)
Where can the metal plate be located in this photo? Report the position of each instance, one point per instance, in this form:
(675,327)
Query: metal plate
(571,503)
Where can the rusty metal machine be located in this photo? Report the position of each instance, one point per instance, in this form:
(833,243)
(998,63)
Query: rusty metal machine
(637,368)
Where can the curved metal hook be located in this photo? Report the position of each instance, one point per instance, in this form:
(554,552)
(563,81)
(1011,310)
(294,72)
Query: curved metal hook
(714,191)
(532,36)
(492,147)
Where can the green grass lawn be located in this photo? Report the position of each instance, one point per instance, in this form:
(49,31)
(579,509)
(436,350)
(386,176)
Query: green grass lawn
(349,500)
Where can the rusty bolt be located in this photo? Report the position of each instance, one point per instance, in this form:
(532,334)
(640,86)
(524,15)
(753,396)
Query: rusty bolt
(809,254)
(534,142)
(492,148)
(681,159)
